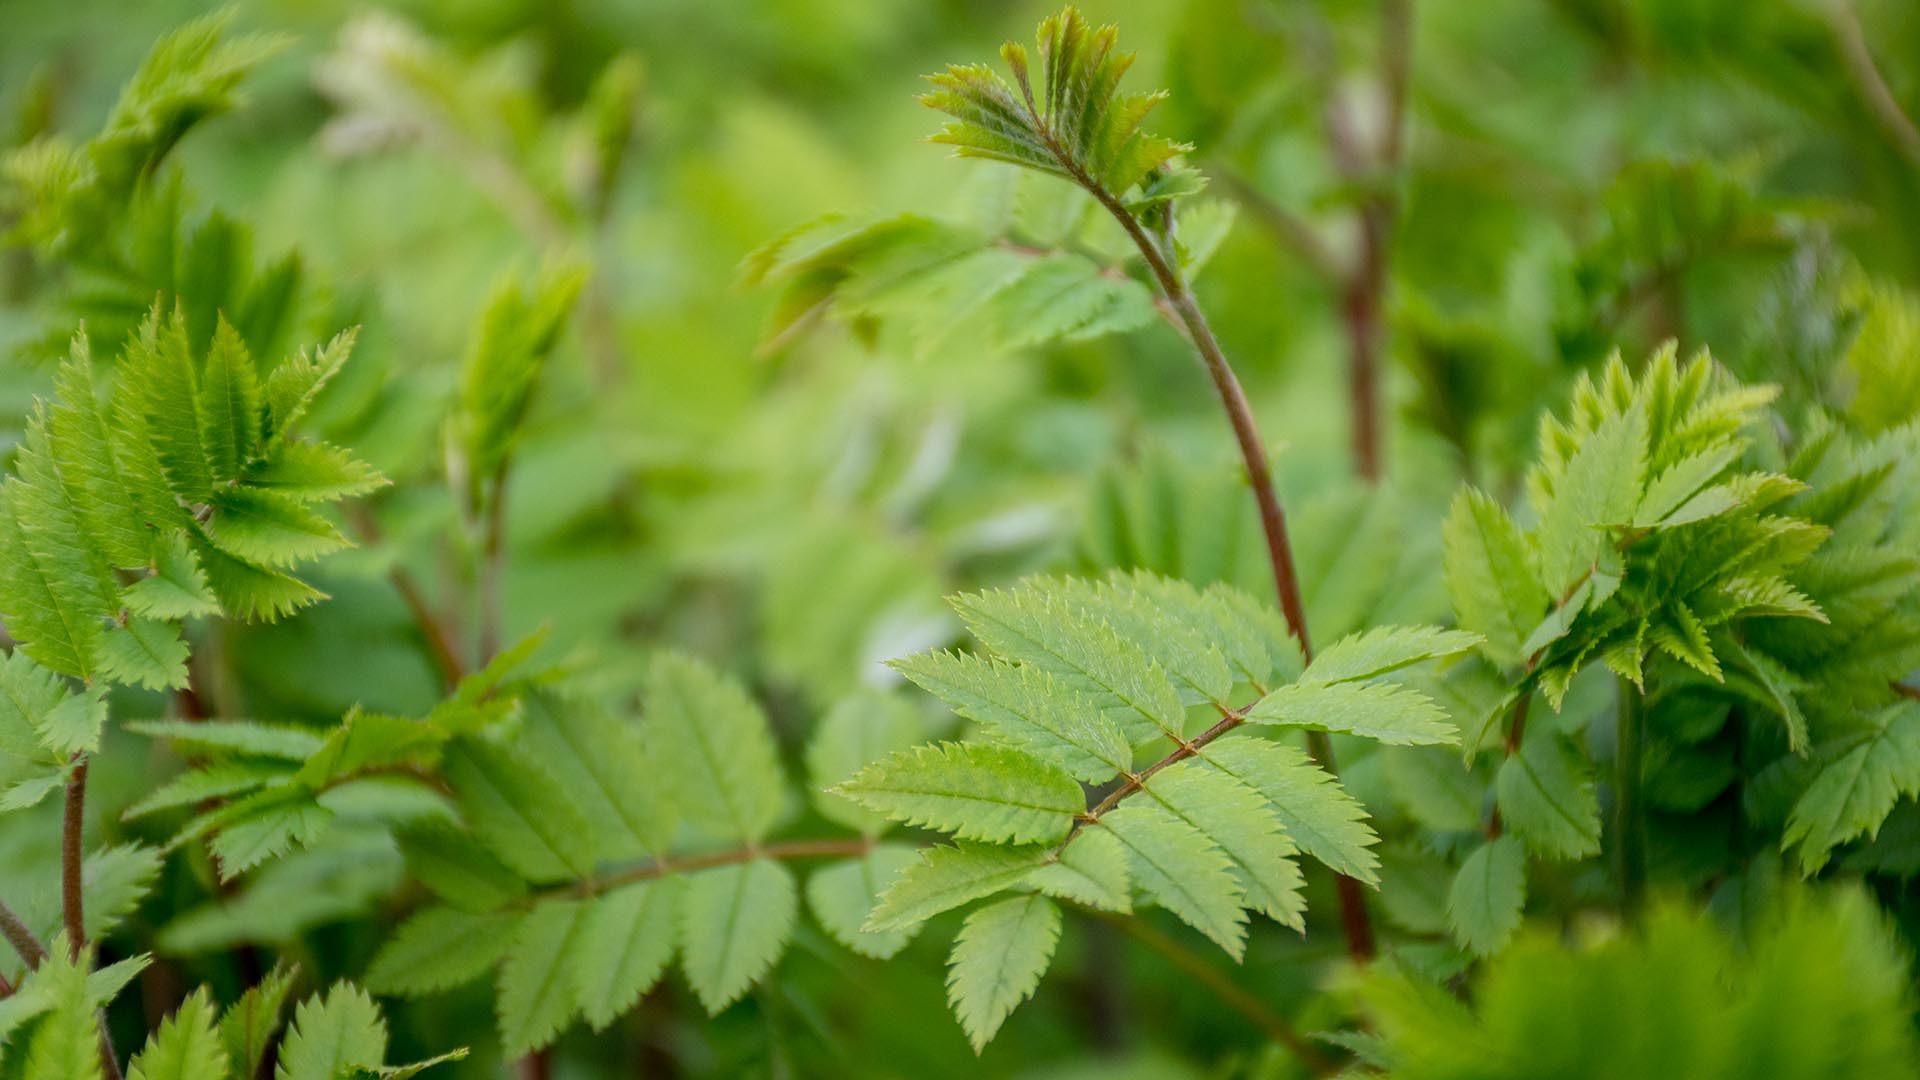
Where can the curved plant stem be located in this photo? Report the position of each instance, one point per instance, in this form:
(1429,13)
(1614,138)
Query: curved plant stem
(1630,839)
(1516,733)
(1271,1023)
(439,641)
(1870,84)
(1273,519)
(21,938)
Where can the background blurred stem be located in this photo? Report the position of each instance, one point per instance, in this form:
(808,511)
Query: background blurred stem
(1629,822)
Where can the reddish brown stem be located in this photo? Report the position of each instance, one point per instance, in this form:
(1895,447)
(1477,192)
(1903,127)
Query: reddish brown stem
(21,938)
(72,857)
(662,867)
(433,631)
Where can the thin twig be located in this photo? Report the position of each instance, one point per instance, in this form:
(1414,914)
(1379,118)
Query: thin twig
(21,938)
(1869,83)
(1287,229)
(1271,1023)
(1516,732)
(72,857)
(663,867)
(433,631)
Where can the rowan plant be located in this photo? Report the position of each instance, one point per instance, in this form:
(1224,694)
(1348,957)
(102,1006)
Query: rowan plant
(359,651)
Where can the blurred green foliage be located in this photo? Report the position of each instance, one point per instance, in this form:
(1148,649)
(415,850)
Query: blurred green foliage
(639,357)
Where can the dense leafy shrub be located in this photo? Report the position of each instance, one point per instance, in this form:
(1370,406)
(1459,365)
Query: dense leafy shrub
(469,608)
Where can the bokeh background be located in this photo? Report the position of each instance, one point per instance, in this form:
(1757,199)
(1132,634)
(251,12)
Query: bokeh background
(1573,175)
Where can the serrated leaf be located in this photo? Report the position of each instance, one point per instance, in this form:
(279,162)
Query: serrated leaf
(537,994)
(293,386)
(1182,871)
(1026,706)
(976,791)
(1856,789)
(1093,870)
(1484,905)
(439,948)
(304,471)
(217,738)
(1384,649)
(1395,715)
(628,938)
(1547,800)
(332,1035)
(268,529)
(458,868)
(713,744)
(843,895)
(997,960)
(600,760)
(176,588)
(144,652)
(1489,575)
(1032,626)
(186,1046)
(734,925)
(229,404)
(948,876)
(1316,811)
(247,1026)
(1238,820)
(266,826)
(517,809)
(83,445)
(1599,485)
(249,592)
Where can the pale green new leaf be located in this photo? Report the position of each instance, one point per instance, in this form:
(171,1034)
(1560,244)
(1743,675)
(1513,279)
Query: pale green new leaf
(176,588)
(144,652)
(734,924)
(1484,905)
(976,791)
(1489,575)
(1599,486)
(186,1046)
(247,1027)
(1395,715)
(229,404)
(332,1035)
(997,960)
